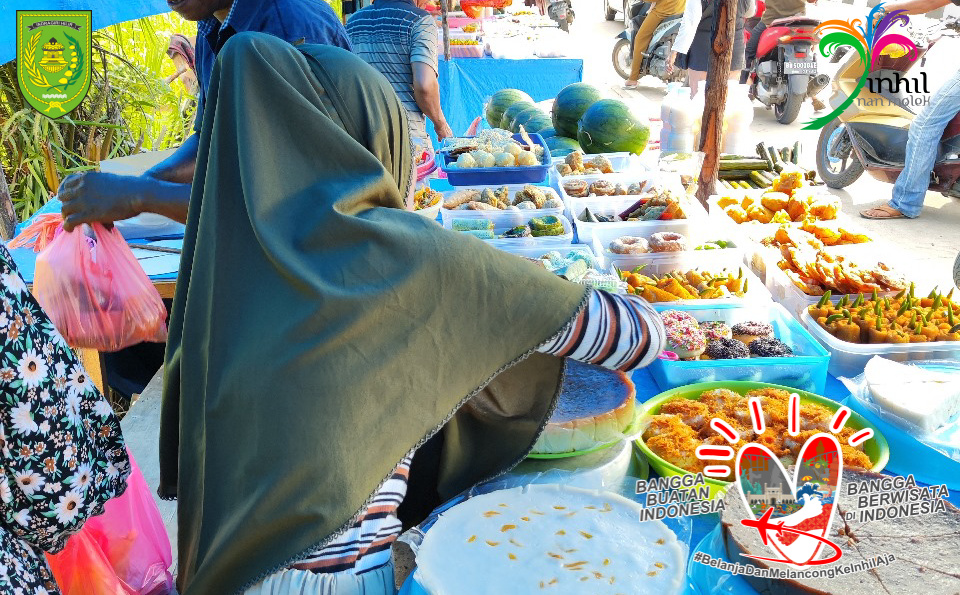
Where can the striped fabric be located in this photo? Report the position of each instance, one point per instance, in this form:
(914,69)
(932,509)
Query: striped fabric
(391,35)
(366,544)
(620,332)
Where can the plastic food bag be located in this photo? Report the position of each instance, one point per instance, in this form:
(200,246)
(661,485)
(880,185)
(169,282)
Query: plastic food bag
(39,233)
(124,551)
(96,293)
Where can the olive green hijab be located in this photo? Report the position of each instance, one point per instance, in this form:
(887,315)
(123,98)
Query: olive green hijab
(320,333)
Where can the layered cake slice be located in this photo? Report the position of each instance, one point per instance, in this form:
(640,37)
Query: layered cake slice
(549,539)
(924,398)
(595,406)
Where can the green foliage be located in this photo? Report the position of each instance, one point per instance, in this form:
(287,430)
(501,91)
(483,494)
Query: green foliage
(131,107)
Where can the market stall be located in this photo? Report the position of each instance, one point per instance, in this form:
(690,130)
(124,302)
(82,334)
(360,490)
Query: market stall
(786,322)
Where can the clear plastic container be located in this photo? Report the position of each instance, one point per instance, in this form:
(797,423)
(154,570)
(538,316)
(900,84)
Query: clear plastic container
(711,263)
(500,228)
(623,163)
(611,206)
(499,217)
(806,370)
(696,233)
(564,249)
(738,115)
(849,359)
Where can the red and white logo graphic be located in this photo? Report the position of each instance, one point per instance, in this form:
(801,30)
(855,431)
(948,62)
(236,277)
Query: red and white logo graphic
(794,515)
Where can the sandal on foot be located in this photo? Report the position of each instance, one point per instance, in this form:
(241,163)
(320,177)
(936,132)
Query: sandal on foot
(882,212)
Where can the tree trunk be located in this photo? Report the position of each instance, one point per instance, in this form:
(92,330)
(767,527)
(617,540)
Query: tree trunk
(444,9)
(8,217)
(715,99)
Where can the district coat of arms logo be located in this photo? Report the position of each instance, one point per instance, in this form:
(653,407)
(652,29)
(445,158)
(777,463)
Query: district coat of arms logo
(53,59)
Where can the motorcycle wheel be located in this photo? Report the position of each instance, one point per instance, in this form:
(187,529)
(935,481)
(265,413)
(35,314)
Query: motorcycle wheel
(622,58)
(837,168)
(608,13)
(788,111)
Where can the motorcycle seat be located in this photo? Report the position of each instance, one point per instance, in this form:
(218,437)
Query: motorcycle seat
(795,21)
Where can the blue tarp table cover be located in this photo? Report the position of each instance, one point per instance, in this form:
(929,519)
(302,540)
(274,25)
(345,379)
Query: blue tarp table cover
(105,13)
(466,83)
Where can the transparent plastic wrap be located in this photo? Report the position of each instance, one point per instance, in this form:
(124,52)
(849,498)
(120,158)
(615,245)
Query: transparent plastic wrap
(626,488)
(96,292)
(932,457)
(707,580)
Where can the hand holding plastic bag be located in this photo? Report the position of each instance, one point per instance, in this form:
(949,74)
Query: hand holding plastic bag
(96,293)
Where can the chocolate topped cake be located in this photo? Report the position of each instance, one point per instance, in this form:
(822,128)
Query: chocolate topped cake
(594,407)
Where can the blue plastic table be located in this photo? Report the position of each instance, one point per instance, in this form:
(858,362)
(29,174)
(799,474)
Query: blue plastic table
(466,83)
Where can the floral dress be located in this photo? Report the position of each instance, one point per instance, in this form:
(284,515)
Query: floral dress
(61,452)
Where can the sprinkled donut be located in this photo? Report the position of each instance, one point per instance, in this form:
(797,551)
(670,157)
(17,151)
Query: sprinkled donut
(770,347)
(668,241)
(714,330)
(726,349)
(629,245)
(748,332)
(683,334)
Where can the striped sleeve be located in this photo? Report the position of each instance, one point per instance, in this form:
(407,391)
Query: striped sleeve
(425,43)
(620,332)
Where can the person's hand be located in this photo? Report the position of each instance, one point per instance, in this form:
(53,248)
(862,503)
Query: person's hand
(91,197)
(670,59)
(444,131)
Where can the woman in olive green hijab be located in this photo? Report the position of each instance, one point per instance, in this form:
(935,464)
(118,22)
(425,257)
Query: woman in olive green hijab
(320,333)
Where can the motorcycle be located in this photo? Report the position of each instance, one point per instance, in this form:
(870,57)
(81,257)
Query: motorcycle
(784,73)
(561,11)
(658,52)
(871,134)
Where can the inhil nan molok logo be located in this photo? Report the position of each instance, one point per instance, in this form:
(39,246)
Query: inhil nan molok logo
(53,59)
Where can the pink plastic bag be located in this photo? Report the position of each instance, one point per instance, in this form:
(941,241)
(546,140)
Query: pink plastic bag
(124,551)
(96,293)
(39,233)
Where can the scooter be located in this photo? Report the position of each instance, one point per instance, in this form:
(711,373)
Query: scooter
(785,71)
(561,11)
(655,58)
(871,134)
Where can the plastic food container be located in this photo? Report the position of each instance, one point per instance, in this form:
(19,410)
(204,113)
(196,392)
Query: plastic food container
(712,263)
(586,232)
(696,232)
(508,218)
(467,51)
(806,370)
(499,228)
(564,249)
(792,297)
(623,163)
(849,359)
(497,176)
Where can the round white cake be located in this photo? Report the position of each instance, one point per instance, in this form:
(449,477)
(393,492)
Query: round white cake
(549,539)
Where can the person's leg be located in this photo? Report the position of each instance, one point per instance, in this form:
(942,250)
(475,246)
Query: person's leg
(922,144)
(751,51)
(640,43)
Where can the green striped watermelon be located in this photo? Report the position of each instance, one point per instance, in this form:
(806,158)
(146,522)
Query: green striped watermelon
(538,123)
(499,103)
(570,105)
(525,117)
(561,146)
(512,112)
(610,126)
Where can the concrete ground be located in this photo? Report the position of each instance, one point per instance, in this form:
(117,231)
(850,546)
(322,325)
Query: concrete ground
(927,245)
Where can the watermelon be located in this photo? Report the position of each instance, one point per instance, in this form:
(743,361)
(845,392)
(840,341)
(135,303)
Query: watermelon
(570,105)
(610,126)
(524,117)
(499,103)
(561,146)
(512,112)
(547,132)
(538,123)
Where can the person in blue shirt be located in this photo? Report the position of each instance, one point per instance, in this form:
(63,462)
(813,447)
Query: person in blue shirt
(165,189)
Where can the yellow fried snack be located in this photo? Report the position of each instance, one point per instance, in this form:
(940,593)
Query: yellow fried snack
(738,214)
(760,213)
(775,201)
(797,209)
(727,201)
